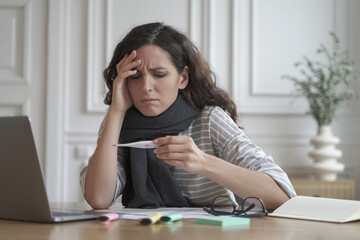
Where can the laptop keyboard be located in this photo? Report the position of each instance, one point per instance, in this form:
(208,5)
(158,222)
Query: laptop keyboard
(57,214)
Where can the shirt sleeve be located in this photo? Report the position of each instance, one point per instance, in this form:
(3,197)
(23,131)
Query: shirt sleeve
(232,144)
(121,178)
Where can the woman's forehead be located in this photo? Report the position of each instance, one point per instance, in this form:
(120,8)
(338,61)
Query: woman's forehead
(153,57)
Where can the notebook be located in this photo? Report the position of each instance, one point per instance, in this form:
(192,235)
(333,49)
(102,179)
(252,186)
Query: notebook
(319,209)
(22,190)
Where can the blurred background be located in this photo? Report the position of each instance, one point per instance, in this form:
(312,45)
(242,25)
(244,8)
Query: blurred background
(53,52)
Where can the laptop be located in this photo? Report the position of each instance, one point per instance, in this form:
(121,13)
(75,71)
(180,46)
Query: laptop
(22,189)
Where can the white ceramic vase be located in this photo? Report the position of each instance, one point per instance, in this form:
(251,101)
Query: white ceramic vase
(325,155)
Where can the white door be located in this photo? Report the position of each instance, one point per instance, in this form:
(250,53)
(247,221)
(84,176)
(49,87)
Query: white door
(22,63)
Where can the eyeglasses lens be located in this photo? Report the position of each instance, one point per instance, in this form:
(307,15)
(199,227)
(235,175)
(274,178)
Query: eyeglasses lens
(252,206)
(223,204)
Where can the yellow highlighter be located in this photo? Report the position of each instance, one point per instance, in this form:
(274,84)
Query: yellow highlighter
(153,218)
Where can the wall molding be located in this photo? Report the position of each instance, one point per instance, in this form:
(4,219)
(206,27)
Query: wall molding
(20,30)
(57,71)
(250,98)
(256,84)
(21,106)
(199,24)
(97,34)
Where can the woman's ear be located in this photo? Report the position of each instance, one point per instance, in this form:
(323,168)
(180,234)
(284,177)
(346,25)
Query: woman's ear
(184,78)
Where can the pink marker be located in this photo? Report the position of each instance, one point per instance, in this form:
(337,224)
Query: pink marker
(107,218)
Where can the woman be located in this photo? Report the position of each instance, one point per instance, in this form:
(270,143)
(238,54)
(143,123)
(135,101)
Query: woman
(161,89)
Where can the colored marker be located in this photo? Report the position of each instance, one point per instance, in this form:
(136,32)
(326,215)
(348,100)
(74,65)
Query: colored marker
(155,217)
(170,218)
(107,218)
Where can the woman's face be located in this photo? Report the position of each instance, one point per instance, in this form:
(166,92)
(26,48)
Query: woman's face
(154,88)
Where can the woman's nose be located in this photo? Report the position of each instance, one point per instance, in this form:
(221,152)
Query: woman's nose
(147,83)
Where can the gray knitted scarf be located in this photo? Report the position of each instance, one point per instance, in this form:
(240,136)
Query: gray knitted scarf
(149,182)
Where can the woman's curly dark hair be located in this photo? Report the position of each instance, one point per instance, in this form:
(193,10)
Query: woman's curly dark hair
(201,90)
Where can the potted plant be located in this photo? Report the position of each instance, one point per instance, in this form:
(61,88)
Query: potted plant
(325,87)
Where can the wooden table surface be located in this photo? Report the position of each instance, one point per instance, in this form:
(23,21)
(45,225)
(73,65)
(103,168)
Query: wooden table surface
(186,229)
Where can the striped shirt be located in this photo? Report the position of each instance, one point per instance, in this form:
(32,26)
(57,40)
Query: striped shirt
(215,133)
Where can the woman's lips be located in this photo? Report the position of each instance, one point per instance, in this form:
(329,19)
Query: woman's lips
(149,100)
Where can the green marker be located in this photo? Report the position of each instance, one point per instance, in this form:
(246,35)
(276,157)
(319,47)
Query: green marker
(170,218)
(223,221)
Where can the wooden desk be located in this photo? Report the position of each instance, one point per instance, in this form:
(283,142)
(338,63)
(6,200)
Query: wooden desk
(260,228)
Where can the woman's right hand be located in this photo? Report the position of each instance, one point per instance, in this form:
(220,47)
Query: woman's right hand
(121,100)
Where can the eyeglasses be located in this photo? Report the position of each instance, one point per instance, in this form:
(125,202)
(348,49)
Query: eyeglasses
(250,207)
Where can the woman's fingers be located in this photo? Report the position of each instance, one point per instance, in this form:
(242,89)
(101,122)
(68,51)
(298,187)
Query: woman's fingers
(128,58)
(173,146)
(125,68)
(178,156)
(180,151)
(127,62)
(172,139)
(126,74)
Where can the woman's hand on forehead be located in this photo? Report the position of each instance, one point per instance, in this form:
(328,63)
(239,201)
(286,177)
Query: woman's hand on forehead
(121,99)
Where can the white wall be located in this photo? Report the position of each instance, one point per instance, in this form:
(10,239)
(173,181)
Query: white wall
(250,44)
(22,63)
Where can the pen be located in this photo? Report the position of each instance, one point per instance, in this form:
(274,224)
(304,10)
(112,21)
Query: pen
(151,219)
(170,218)
(107,218)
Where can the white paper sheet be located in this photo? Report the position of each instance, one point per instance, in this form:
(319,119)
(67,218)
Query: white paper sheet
(139,213)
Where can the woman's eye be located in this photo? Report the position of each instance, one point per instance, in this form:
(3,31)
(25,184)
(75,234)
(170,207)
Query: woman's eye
(137,76)
(160,75)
